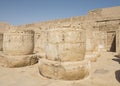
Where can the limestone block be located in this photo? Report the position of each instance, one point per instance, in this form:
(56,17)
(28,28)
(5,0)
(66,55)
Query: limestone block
(71,51)
(105,12)
(92,56)
(40,43)
(64,70)
(74,36)
(21,61)
(3,61)
(18,43)
(4,27)
(1,42)
(118,41)
(65,44)
(65,51)
(89,45)
(55,36)
(52,51)
(69,35)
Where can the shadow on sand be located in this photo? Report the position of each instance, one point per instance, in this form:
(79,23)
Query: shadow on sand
(117,75)
(117,59)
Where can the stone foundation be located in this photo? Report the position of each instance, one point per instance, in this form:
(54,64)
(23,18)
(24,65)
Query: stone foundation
(64,70)
(18,61)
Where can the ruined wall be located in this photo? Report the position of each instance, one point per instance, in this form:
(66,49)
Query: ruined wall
(105,12)
(90,43)
(4,27)
(118,41)
(108,32)
(97,23)
(1,41)
(107,22)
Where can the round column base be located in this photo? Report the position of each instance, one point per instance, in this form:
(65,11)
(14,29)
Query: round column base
(64,70)
(19,61)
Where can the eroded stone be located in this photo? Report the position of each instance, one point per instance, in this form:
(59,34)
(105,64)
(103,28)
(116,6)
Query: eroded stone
(64,70)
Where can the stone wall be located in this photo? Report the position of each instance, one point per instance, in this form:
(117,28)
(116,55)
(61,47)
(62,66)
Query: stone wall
(3,27)
(118,41)
(106,12)
(97,23)
(1,42)
(107,27)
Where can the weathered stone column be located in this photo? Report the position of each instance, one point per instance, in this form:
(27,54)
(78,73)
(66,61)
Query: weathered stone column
(91,41)
(18,43)
(65,51)
(18,46)
(40,42)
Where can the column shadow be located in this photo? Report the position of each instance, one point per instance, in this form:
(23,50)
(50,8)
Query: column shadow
(117,75)
(113,45)
(117,59)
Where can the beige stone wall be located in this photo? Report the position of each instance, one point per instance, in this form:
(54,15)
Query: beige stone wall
(4,27)
(105,12)
(91,36)
(118,41)
(96,35)
(40,42)
(105,27)
(18,42)
(1,42)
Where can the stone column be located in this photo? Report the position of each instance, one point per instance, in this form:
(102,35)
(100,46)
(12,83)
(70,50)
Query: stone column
(65,51)
(91,41)
(18,43)
(18,46)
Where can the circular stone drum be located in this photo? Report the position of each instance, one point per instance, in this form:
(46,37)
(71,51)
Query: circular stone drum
(65,44)
(64,70)
(18,42)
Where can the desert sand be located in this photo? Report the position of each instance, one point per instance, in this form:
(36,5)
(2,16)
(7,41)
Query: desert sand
(104,72)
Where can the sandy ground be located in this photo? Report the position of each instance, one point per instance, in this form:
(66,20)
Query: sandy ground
(104,72)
